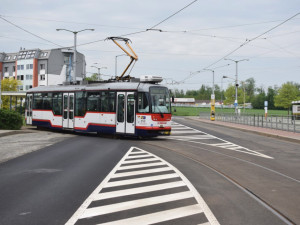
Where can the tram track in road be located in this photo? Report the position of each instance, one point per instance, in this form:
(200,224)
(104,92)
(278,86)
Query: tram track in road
(239,167)
(261,201)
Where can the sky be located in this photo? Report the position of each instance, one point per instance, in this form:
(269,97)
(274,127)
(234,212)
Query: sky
(198,37)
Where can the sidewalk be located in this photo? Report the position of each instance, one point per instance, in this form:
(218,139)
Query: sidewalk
(285,135)
(24,129)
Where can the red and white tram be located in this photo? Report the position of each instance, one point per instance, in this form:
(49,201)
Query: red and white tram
(137,108)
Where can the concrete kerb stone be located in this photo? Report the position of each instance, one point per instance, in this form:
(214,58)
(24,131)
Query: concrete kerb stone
(264,133)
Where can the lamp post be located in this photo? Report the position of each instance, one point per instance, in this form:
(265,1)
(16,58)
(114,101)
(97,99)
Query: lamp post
(243,83)
(116,59)
(75,51)
(99,68)
(236,81)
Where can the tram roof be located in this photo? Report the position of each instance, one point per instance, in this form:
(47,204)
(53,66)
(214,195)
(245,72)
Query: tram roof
(97,86)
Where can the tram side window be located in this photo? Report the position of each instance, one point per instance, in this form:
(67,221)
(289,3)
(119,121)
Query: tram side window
(104,101)
(47,100)
(112,101)
(80,103)
(143,103)
(57,103)
(37,101)
(93,101)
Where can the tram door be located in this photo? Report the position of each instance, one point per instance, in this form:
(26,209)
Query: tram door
(68,114)
(29,109)
(125,113)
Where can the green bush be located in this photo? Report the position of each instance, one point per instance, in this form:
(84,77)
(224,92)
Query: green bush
(10,120)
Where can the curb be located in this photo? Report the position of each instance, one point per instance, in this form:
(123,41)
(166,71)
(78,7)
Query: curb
(251,131)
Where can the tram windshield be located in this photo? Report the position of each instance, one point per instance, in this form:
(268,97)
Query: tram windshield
(160,100)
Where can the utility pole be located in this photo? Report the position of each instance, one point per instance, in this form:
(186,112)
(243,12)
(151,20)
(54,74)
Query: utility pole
(116,67)
(236,82)
(99,70)
(75,50)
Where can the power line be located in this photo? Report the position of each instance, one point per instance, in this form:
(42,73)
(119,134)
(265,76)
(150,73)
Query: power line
(29,32)
(250,40)
(173,14)
(144,30)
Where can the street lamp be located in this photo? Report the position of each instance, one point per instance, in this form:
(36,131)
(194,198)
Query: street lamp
(236,80)
(99,68)
(75,43)
(116,59)
(243,83)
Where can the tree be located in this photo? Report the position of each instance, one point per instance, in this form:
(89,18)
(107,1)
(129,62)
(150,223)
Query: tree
(94,77)
(250,88)
(8,85)
(286,94)
(257,101)
(270,97)
(230,95)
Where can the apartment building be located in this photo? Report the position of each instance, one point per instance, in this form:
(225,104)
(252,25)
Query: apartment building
(35,67)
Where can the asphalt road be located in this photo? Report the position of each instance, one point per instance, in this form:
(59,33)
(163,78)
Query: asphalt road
(202,174)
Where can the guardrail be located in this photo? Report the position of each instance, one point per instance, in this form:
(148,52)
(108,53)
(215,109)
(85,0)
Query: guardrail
(279,122)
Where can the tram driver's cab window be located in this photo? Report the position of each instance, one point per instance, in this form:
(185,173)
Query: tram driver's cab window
(143,103)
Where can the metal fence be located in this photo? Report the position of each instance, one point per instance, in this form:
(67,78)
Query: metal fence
(279,122)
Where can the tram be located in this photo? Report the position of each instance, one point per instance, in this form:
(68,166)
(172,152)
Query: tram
(138,107)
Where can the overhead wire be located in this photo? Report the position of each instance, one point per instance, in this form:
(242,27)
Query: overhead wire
(247,41)
(173,14)
(29,31)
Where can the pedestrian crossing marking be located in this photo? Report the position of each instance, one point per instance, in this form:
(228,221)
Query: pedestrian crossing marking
(139,190)
(142,192)
(191,137)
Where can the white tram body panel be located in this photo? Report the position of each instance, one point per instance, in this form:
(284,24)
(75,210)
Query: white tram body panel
(129,108)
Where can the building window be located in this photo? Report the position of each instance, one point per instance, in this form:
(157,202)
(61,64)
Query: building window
(20,87)
(42,77)
(15,57)
(20,77)
(28,87)
(42,66)
(31,66)
(14,68)
(5,69)
(28,77)
(27,66)
(20,67)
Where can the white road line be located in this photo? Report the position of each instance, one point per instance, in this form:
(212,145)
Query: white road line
(139,152)
(180,128)
(221,144)
(139,190)
(141,166)
(139,161)
(139,172)
(186,132)
(180,212)
(226,144)
(159,216)
(191,137)
(138,156)
(101,210)
(140,180)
